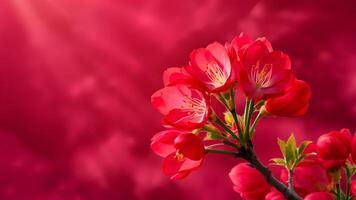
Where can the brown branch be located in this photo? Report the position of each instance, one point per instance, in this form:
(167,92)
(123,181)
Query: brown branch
(250,156)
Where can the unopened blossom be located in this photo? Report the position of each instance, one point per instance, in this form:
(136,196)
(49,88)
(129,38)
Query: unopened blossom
(353,148)
(274,195)
(334,148)
(250,183)
(320,196)
(353,187)
(293,103)
(308,177)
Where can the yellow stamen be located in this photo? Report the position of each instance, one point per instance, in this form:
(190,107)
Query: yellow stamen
(179,156)
(215,74)
(193,106)
(262,76)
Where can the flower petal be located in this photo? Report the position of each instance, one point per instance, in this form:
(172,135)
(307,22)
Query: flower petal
(182,106)
(190,145)
(211,66)
(178,169)
(163,142)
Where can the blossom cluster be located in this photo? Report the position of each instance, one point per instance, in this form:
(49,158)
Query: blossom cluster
(217,73)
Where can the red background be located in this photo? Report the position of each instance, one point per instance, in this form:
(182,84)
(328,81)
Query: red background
(76,79)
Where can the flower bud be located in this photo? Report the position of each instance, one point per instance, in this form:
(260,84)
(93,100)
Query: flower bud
(293,103)
(249,182)
(334,148)
(319,196)
(353,148)
(274,195)
(353,187)
(308,177)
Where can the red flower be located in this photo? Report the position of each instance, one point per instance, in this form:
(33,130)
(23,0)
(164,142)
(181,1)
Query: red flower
(319,196)
(178,75)
(183,152)
(211,67)
(182,106)
(263,72)
(353,148)
(249,182)
(353,187)
(308,177)
(235,48)
(294,102)
(334,148)
(274,195)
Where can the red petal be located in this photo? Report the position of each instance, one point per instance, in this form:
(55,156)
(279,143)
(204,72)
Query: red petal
(254,52)
(240,41)
(173,75)
(190,145)
(294,102)
(178,169)
(180,175)
(319,196)
(211,66)
(171,165)
(182,105)
(163,142)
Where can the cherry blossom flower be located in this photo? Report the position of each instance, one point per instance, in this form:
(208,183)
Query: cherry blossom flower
(182,152)
(263,72)
(182,106)
(211,67)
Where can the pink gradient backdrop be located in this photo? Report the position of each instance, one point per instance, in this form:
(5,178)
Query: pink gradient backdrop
(76,79)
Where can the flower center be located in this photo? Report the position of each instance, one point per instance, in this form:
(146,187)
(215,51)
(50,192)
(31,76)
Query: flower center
(179,156)
(215,74)
(193,106)
(261,76)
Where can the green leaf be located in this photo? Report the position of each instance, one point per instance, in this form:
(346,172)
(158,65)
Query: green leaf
(278,161)
(291,150)
(303,146)
(282,146)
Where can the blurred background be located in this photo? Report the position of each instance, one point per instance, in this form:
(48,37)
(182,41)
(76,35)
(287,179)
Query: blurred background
(76,79)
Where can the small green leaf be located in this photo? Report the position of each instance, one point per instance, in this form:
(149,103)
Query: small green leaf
(291,140)
(303,146)
(282,146)
(291,149)
(278,161)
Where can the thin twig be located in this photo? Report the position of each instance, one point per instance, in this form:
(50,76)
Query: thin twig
(220,151)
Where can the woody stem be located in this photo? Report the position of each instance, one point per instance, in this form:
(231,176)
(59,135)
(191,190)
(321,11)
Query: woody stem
(250,156)
(290,180)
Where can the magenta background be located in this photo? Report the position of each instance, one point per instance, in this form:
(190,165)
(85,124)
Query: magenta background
(76,78)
